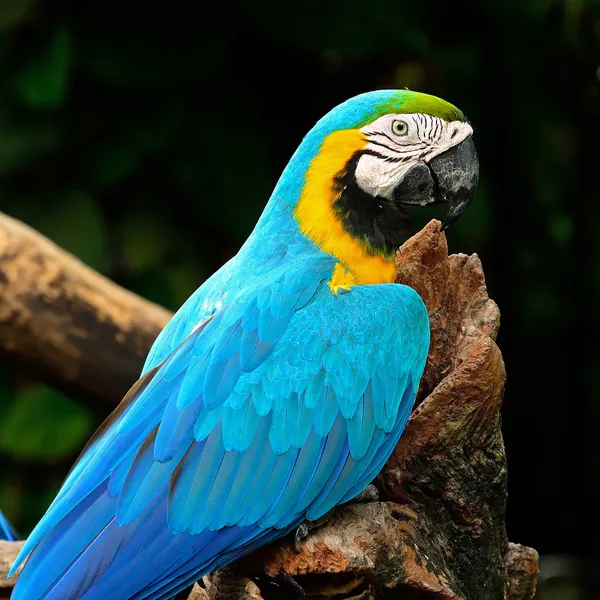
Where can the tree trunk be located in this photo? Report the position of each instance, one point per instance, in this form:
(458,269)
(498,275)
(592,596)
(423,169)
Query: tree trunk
(437,532)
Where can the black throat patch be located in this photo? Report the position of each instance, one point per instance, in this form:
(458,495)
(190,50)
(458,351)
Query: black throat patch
(376,222)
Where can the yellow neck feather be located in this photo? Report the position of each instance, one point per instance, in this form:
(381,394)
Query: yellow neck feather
(317,220)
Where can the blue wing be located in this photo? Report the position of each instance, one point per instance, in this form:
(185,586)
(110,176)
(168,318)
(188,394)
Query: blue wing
(6,530)
(284,403)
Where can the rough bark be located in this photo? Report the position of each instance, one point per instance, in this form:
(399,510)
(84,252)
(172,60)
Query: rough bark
(522,572)
(69,322)
(8,553)
(438,532)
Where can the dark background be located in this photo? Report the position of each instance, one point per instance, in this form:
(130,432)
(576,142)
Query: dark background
(145,137)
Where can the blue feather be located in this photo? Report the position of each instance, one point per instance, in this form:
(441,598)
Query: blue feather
(273,489)
(249,471)
(228,344)
(144,479)
(279,436)
(250,316)
(336,487)
(264,298)
(221,484)
(181,484)
(239,426)
(365,465)
(377,395)
(48,563)
(220,381)
(191,387)
(314,347)
(118,476)
(325,412)
(107,455)
(175,430)
(307,295)
(262,404)
(6,530)
(379,459)
(254,351)
(329,457)
(315,391)
(278,389)
(394,391)
(52,534)
(315,509)
(259,483)
(270,328)
(293,284)
(300,421)
(283,303)
(160,554)
(149,401)
(360,428)
(112,549)
(205,423)
(303,469)
(191,486)
(196,560)
(206,333)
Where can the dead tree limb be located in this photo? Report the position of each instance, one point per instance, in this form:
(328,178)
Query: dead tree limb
(67,320)
(8,553)
(438,532)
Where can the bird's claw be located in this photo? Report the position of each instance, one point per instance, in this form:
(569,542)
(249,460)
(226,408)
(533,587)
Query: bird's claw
(306,527)
(369,494)
(302,532)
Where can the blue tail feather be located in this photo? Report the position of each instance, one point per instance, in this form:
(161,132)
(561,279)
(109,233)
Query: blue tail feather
(6,529)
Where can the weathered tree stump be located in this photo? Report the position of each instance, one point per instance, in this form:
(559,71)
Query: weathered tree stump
(438,531)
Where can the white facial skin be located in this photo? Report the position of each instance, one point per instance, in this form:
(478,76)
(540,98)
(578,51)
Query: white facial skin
(401,141)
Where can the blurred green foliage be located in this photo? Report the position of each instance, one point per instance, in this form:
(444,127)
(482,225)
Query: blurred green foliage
(41,424)
(145,138)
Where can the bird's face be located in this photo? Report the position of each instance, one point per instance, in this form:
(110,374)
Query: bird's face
(419,159)
(370,157)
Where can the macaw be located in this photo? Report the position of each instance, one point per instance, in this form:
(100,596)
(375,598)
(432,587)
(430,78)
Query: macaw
(282,385)
(6,530)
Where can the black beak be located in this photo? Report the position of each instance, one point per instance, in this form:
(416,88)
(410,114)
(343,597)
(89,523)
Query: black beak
(449,177)
(456,173)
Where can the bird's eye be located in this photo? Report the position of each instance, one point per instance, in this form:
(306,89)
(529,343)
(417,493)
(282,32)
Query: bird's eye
(399,127)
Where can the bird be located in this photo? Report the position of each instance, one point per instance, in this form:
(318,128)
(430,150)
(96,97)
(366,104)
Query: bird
(7,531)
(282,385)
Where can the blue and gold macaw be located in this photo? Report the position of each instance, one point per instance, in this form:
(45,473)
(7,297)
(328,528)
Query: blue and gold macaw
(282,385)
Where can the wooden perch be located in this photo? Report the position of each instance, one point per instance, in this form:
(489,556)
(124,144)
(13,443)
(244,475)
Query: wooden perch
(68,321)
(8,553)
(438,532)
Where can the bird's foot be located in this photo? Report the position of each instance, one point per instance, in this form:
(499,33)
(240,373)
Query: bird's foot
(306,527)
(369,494)
(301,533)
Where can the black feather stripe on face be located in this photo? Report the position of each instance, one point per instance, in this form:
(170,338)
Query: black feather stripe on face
(378,223)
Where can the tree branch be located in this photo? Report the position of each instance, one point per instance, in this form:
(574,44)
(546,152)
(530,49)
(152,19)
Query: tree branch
(8,553)
(438,534)
(68,321)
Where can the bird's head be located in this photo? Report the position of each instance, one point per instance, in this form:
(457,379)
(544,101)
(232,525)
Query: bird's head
(374,154)
(419,158)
